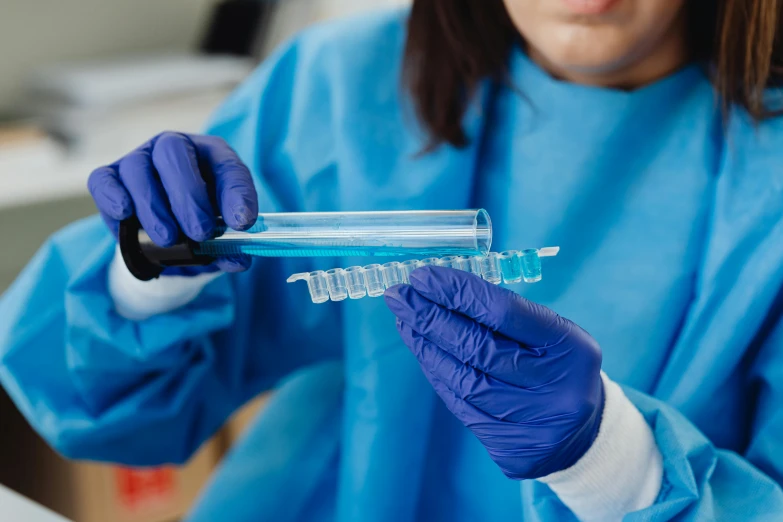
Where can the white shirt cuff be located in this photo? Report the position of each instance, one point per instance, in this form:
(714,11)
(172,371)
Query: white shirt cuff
(139,300)
(622,472)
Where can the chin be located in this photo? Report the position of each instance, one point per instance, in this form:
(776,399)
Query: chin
(588,52)
(580,62)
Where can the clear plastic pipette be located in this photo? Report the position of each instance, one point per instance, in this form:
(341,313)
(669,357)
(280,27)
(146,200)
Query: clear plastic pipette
(317,234)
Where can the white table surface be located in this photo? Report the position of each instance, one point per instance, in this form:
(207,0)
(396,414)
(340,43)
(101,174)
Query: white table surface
(16,508)
(43,170)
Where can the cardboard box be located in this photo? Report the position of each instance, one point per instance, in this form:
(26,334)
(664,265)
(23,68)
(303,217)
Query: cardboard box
(244,417)
(91,492)
(101,493)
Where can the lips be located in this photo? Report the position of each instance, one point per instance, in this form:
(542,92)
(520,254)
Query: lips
(589,7)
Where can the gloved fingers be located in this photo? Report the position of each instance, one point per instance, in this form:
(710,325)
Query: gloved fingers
(468,414)
(112,224)
(109,194)
(500,400)
(498,308)
(176,162)
(237,199)
(149,198)
(232,264)
(457,334)
(189,271)
(467,340)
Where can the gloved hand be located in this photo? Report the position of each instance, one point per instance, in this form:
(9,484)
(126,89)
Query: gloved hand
(525,380)
(177,183)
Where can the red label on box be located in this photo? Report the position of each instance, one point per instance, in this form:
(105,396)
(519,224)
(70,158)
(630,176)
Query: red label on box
(138,488)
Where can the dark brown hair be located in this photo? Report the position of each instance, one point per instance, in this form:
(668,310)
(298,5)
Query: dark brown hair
(453,45)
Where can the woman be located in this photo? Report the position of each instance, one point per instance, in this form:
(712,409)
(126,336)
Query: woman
(591,124)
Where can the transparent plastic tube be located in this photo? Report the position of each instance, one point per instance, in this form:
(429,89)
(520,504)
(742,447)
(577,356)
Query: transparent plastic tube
(531,265)
(490,268)
(317,234)
(510,266)
(392,274)
(406,267)
(355,282)
(316,283)
(309,234)
(374,278)
(449,261)
(470,264)
(336,284)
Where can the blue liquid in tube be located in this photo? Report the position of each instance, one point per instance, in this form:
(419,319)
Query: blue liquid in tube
(341,234)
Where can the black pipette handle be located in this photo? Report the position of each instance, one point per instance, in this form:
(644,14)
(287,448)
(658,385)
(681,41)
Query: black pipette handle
(146,260)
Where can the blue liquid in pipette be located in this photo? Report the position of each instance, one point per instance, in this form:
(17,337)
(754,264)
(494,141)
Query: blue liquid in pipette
(222,249)
(228,243)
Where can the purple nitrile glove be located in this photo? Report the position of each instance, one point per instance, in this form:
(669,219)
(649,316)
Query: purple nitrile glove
(177,183)
(525,380)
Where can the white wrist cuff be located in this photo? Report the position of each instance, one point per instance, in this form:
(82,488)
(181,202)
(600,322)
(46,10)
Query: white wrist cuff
(622,471)
(139,300)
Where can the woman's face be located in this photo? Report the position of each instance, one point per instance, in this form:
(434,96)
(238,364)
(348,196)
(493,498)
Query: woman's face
(621,43)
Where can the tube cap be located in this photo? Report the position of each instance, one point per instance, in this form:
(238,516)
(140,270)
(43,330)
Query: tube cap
(146,260)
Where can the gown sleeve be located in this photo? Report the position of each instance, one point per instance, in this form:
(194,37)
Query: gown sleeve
(101,387)
(717,412)
(704,482)
(701,480)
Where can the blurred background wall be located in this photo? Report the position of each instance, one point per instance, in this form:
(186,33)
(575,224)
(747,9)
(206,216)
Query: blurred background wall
(38,32)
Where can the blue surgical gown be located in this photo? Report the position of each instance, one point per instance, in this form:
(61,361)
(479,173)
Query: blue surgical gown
(671,228)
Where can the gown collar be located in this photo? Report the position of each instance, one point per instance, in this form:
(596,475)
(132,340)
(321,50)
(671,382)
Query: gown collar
(537,84)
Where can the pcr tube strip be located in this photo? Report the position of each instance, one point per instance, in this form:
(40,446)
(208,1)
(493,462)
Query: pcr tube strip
(356,282)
